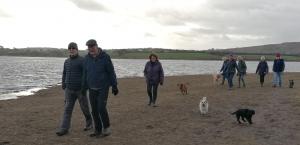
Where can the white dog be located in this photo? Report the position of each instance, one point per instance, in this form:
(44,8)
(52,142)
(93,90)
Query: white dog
(203,106)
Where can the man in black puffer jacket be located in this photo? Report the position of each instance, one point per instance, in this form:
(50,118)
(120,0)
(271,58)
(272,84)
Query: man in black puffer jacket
(71,83)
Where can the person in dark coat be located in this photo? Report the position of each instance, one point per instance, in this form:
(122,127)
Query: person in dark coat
(99,76)
(231,68)
(242,67)
(154,75)
(222,71)
(278,68)
(71,84)
(262,70)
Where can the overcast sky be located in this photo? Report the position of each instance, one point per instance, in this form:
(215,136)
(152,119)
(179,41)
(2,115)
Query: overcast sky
(178,24)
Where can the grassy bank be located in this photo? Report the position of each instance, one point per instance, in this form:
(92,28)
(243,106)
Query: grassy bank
(139,54)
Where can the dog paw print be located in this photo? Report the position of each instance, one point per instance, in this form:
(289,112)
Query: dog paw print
(149,127)
(272,120)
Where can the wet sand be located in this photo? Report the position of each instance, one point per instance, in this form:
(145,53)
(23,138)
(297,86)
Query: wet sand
(34,119)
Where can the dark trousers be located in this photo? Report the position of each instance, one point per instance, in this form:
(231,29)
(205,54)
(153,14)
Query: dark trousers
(262,78)
(70,98)
(98,101)
(152,92)
(230,79)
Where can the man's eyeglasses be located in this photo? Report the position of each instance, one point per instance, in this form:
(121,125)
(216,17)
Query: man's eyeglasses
(72,48)
(92,46)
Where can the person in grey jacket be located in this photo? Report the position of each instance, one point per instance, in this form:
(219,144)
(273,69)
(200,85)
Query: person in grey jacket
(99,76)
(154,75)
(242,67)
(71,83)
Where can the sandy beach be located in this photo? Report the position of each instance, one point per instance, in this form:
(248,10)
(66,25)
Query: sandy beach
(34,119)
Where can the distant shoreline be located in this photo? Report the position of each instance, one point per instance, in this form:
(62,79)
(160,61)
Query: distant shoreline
(29,92)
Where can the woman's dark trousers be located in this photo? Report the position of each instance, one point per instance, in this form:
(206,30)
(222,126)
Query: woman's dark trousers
(152,92)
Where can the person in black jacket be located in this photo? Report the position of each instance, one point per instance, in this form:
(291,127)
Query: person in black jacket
(278,68)
(99,76)
(231,68)
(262,69)
(71,83)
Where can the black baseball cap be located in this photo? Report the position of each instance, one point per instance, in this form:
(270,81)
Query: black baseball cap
(72,45)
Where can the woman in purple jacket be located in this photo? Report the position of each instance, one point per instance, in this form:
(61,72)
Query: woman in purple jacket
(154,75)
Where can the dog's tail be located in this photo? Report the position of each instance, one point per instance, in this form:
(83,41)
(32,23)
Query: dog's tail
(233,113)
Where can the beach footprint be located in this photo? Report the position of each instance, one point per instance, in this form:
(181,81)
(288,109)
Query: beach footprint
(4,143)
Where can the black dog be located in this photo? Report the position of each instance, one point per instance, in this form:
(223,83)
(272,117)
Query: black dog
(291,83)
(244,113)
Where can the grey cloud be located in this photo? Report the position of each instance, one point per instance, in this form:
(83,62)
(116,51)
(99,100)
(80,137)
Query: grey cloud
(268,20)
(149,35)
(90,5)
(166,17)
(4,14)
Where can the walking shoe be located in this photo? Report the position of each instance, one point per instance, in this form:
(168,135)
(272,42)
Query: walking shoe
(88,127)
(154,105)
(95,134)
(61,132)
(106,131)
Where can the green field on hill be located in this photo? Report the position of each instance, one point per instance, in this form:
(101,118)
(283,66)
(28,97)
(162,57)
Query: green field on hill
(140,54)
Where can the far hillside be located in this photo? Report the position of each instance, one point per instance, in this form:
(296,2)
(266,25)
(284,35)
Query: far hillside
(287,48)
(143,53)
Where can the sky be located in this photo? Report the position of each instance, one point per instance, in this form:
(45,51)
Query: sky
(173,24)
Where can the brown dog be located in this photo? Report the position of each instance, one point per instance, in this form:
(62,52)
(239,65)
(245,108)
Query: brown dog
(216,78)
(183,88)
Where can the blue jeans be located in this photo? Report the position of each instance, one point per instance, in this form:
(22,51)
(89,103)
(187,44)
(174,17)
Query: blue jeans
(277,79)
(98,101)
(70,98)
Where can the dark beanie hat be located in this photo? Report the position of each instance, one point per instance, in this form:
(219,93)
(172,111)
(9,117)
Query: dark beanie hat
(91,43)
(72,45)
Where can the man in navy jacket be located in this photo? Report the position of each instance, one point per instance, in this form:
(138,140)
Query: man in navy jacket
(278,68)
(99,75)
